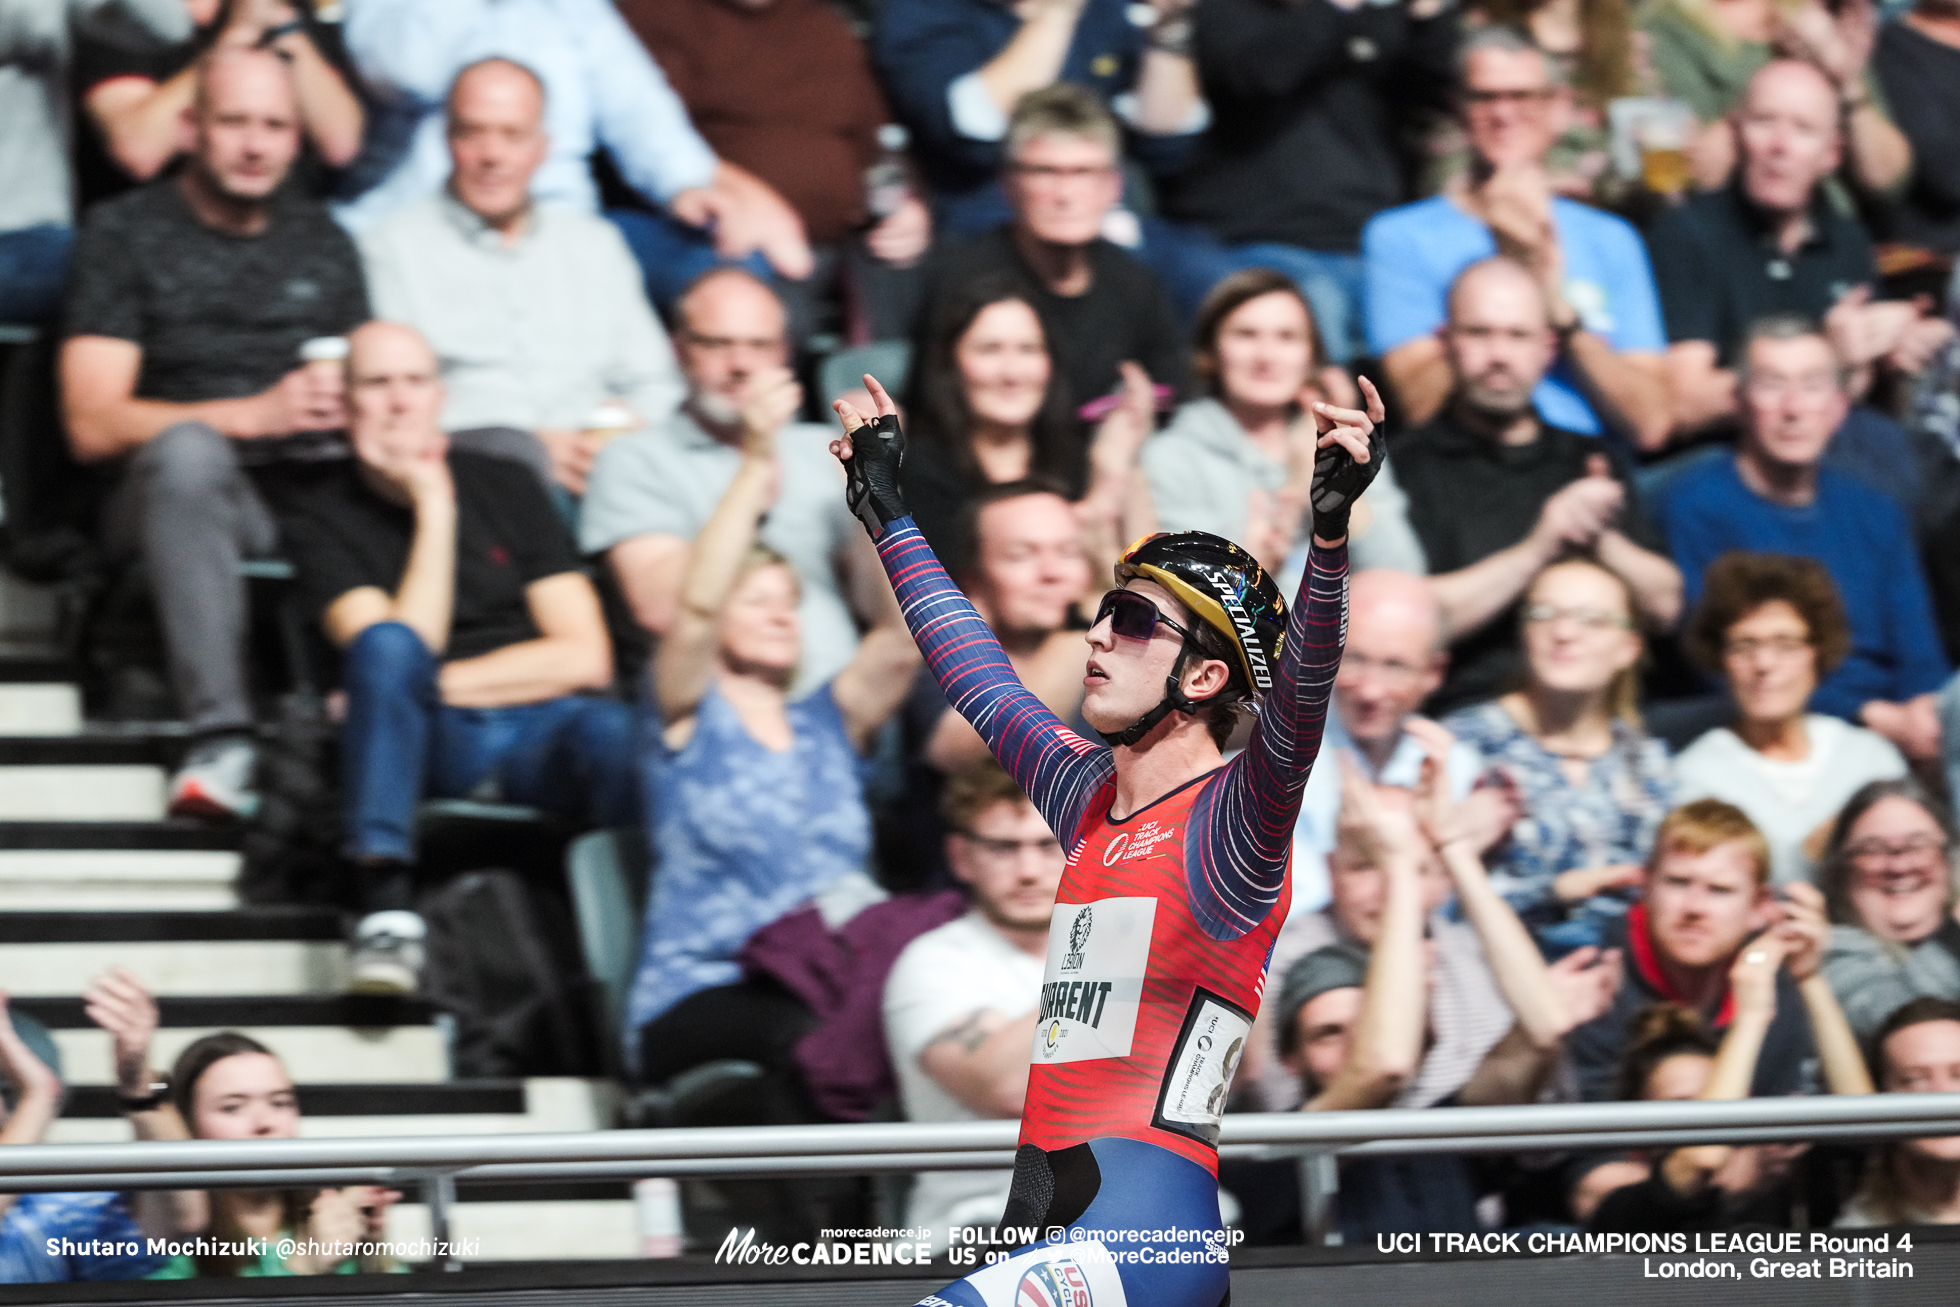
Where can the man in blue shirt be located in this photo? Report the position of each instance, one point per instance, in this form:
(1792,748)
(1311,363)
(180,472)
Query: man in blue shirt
(1599,289)
(1776,496)
(956,69)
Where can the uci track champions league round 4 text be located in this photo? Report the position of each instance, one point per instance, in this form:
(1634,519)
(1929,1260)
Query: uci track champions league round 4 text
(1765,1255)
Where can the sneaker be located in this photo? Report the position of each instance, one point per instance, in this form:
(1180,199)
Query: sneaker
(387,955)
(215,782)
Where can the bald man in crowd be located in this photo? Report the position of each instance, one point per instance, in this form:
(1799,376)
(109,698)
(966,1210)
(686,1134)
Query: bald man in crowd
(1496,493)
(537,311)
(189,302)
(1773,242)
(653,491)
(473,641)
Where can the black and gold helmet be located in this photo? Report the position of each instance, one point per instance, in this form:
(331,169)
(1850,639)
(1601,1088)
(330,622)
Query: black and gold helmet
(1224,587)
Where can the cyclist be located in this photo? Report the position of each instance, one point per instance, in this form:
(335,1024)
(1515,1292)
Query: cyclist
(1177,873)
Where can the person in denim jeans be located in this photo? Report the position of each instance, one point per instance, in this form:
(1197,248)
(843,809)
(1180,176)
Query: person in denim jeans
(469,633)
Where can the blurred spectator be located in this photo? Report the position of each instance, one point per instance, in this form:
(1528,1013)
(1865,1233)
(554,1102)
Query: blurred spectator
(1888,879)
(35,1225)
(1485,977)
(1774,496)
(1100,307)
(225,1086)
(1496,493)
(1592,784)
(1595,54)
(1468,1016)
(1027,571)
(1307,100)
(783,89)
(1392,660)
(986,408)
(1239,463)
(1706,896)
(533,308)
(958,72)
(1917,61)
(1772,242)
(601,90)
(651,492)
(1716,1186)
(136,93)
(755,803)
(1607,371)
(1771,626)
(469,633)
(189,303)
(37,213)
(1706,54)
(1914,1181)
(230,1086)
(960,1004)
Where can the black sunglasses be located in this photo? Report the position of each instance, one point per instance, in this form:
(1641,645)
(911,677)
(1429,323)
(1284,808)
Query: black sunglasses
(1132,616)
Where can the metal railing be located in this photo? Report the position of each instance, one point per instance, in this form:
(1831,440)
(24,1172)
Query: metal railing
(434,1163)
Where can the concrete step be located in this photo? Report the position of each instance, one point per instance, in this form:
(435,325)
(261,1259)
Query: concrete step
(544,1229)
(134,835)
(82,793)
(538,1105)
(40,708)
(317,1054)
(118,880)
(249,952)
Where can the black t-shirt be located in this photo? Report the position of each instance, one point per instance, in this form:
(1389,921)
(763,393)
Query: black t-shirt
(1470,498)
(343,536)
(1921,78)
(217,316)
(1719,268)
(1124,314)
(98,57)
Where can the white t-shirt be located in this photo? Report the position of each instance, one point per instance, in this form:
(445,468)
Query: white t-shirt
(1787,800)
(945,974)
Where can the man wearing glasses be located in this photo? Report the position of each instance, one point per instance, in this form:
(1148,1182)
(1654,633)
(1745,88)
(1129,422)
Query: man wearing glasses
(961,1000)
(1775,495)
(1099,306)
(1497,492)
(651,491)
(1609,374)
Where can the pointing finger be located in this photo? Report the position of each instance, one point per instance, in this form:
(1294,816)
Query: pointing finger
(884,401)
(1377,412)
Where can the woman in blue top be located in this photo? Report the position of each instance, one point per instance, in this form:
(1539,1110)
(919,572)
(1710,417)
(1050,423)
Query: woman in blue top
(756,802)
(1593,784)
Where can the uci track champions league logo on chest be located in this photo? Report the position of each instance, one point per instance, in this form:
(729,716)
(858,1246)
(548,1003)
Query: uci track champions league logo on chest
(1093,984)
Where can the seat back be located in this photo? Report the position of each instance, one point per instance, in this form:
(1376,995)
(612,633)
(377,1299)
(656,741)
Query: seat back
(608,871)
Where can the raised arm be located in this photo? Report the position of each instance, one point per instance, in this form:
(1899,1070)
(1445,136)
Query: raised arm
(1241,831)
(1057,769)
(685,663)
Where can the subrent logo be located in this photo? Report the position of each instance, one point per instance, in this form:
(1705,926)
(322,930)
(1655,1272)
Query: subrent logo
(741,1248)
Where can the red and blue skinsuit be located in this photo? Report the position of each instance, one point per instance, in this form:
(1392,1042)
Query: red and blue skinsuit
(1163,927)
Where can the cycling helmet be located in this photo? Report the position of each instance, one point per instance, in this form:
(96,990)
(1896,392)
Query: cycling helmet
(1227,589)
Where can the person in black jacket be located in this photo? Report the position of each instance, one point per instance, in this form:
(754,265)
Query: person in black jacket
(1307,100)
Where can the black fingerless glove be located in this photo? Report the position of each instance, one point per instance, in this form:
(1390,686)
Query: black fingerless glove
(1338,481)
(871,474)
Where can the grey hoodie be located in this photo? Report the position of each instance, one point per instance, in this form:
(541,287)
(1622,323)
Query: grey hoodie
(1203,469)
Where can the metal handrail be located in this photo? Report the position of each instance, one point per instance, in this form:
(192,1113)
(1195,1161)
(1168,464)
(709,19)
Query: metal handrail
(783,1150)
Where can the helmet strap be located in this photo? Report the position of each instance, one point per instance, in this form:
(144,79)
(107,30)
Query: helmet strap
(1174,697)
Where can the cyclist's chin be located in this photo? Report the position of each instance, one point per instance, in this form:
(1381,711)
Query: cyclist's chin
(1110,706)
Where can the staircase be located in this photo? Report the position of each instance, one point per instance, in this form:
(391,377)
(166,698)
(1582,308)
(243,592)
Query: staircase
(93,875)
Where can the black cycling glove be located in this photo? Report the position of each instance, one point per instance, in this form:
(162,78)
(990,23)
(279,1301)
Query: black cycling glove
(1338,481)
(871,474)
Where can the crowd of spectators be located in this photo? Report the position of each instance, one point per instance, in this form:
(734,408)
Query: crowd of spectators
(504,321)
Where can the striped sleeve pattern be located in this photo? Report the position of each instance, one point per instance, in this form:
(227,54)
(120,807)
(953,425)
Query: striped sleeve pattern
(1057,769)
(1241,829)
